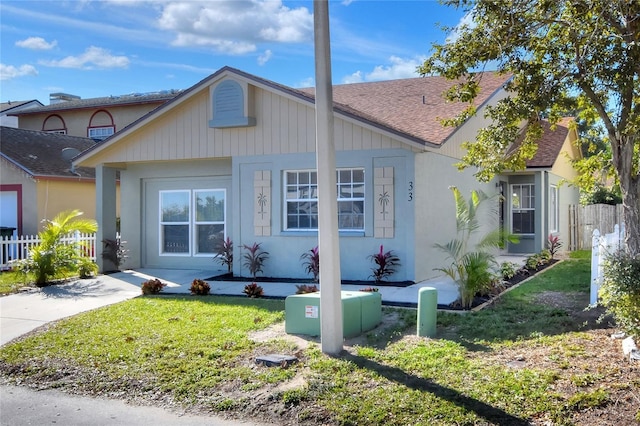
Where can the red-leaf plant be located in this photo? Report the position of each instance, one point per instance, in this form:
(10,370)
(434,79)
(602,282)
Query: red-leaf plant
(312,262)
(386,264)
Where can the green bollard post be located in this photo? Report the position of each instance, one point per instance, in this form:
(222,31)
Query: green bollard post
(427,311)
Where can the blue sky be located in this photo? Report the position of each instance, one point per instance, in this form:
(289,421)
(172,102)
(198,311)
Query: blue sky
(115,47)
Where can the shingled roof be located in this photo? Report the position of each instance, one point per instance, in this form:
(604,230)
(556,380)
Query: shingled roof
(40,154)
(550,144)
(107,101)
(413,106)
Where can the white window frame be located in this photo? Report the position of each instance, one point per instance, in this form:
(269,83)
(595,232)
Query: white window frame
(530,204)
(554,209)
(314,200)
(100,133)
(192,222)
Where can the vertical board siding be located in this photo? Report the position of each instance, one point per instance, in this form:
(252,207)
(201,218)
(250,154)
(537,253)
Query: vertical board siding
(594,216)
(284,126)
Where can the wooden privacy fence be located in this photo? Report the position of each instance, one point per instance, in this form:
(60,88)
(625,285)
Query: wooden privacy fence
(18,247)
(601,247)
(583,220)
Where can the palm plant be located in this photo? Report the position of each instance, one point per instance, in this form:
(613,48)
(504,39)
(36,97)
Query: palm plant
(52,257)
(472,268)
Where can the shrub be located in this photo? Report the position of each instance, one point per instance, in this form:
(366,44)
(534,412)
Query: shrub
(303,289)
(254,259)
(153,286)
(200,287)
(472,268)
(53,257)
(224,252)
(87,268)
(114,251)
(253,290)
(311,262)
(508,270)
(553,244)
(386,264)
(620,291)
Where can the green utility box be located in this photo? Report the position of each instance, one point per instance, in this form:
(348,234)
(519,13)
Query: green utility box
(361,311)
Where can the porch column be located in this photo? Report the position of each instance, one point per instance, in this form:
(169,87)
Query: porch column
(540,214)
(105,212)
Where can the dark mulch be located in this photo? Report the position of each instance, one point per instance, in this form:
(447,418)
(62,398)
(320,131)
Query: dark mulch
(231,277)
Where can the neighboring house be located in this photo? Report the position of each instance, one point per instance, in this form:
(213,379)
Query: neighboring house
(12,107)
(95,118)
(37,180)
(538,198)
(234,156)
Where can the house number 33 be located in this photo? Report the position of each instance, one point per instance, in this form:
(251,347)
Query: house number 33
(410,190)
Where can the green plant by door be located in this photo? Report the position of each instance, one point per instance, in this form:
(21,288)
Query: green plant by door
(473,265)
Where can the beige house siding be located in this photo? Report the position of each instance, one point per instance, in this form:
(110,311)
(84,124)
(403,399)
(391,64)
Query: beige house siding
(78,121)
(284,126)
(56,195)
(435,208)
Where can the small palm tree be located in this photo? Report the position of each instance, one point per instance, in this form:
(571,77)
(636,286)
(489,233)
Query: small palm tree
(52,257)
(471,268)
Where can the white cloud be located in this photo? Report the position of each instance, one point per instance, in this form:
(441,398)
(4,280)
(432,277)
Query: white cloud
(235,27)
(356,77)
(36,43)
(399,68)
(92,58)
(264,58)
(465,22)
(307,82)
(7,72)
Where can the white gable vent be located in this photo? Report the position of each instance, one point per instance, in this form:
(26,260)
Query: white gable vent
(231,102)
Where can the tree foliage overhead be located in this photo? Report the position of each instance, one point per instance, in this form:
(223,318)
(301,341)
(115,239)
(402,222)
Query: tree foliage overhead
(575,55)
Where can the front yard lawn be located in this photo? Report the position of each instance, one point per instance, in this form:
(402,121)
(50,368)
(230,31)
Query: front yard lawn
(534,357)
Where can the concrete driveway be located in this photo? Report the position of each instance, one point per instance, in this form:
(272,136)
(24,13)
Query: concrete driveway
(20,313)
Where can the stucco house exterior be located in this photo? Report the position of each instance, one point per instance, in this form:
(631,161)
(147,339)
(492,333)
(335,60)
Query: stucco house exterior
(94,118)
(234,156)
(37,180)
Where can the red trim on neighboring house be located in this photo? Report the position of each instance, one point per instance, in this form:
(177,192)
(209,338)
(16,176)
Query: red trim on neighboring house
(64,125)
(18,190)
(99,111)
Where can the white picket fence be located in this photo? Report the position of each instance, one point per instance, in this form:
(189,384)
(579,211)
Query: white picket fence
(18,247)
(601,246)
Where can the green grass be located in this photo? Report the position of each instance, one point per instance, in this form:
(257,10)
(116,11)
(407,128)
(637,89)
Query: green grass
(11,282)
(197,351)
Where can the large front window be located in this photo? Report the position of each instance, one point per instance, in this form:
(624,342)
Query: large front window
(301,199)
(523,209)
(191,221)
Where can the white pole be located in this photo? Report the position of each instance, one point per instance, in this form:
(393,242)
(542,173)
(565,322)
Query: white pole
(331,333)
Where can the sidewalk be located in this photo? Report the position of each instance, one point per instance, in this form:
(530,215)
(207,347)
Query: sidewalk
(179,281)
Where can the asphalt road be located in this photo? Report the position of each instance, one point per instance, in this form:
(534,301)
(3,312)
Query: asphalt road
(20,406)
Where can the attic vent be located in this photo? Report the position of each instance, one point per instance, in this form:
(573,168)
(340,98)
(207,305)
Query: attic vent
(228,100)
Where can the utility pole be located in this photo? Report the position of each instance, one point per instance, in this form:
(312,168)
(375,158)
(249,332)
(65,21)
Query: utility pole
(331,333)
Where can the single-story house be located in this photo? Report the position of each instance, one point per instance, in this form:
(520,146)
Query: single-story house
(38,180)
(234,156)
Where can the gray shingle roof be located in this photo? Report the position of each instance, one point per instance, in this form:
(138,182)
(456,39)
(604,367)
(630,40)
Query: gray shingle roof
(107,101)
(40,153)
(412,106)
